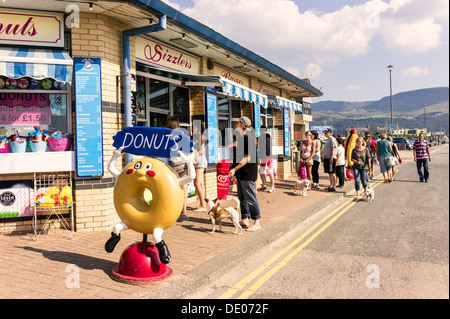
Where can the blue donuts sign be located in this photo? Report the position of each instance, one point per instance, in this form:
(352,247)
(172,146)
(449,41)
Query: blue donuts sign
(153,141)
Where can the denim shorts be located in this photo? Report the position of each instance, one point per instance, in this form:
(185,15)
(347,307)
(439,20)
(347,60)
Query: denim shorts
(384,167)
(203,162)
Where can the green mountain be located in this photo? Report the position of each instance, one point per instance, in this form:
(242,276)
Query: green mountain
(408,111)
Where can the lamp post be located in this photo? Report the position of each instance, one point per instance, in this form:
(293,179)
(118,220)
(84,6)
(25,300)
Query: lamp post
(390,67)
(424,116)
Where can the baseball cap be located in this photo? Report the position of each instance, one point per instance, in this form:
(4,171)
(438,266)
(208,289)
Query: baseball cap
(246,121)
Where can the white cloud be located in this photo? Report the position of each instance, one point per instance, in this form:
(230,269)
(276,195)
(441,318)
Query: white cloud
(415,71)
(417,36)
(355,87)
(313,70)
(281,33)
(172,4)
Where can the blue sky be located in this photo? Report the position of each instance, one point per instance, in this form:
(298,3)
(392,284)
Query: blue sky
(344,47)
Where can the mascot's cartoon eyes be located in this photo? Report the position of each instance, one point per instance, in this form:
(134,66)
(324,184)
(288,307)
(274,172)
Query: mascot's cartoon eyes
(148,166)
(137,165)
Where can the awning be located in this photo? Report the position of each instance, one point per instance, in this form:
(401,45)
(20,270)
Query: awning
(284,103)
(36,63)
(244,93)
(228,87)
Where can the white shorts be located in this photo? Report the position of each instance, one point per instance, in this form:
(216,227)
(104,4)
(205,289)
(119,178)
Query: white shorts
(265,167)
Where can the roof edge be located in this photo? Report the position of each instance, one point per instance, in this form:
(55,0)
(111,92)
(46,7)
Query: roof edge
(182,20)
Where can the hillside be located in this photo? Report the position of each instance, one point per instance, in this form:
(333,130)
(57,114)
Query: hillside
(403,102)
(408,111)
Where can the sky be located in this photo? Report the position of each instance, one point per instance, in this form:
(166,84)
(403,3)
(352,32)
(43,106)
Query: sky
(343,47)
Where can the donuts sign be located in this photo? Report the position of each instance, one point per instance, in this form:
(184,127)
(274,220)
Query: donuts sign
(153,141)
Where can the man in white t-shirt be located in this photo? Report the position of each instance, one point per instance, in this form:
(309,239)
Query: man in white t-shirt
(340,162)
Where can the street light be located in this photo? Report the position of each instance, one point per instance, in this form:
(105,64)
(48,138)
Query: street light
(390,67)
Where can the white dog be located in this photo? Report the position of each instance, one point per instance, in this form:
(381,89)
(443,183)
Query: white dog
(369,194)
(218,213)
(302,186)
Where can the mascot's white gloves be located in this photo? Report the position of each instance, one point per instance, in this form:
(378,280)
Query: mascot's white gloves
(112,162)
(189,160)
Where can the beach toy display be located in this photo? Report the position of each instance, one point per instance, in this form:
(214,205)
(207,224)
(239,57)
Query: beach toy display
(59,142)
(17,143)
(37,140)
(4,144)
(54,197)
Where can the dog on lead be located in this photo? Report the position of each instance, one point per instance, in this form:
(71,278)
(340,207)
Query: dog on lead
(302,185)
(218,212)
(369,194)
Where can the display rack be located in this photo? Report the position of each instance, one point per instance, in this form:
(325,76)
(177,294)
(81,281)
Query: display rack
(53,197)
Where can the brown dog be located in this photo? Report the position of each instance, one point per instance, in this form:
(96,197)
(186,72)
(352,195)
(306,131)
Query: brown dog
(218,213)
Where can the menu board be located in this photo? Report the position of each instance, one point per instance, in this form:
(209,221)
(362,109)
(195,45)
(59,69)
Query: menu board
(257,117)
(88,117)
(286,131)
(212,125)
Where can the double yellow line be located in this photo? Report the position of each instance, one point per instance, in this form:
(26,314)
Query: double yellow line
(261,280)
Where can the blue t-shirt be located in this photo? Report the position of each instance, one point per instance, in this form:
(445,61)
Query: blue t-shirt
(383,148)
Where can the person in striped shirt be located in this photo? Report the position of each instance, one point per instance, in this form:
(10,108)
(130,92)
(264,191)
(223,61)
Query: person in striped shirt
(421,152)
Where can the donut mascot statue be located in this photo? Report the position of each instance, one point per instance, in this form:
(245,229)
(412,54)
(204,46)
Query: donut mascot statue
(136,213)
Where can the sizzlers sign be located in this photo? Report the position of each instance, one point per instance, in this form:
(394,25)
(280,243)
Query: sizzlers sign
(149,51)
(152,141)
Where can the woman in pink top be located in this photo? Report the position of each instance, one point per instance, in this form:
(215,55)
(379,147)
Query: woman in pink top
(307,152)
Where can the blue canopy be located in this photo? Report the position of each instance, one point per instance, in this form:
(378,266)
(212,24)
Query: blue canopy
(36,63)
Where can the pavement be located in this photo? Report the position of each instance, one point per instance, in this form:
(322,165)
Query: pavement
(55,266)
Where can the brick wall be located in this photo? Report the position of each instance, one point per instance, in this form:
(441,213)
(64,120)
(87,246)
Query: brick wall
(101,37)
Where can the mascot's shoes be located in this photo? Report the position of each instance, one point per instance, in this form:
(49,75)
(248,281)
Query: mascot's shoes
(163,251)
(112,242)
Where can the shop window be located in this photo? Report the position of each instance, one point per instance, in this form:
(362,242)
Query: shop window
(180,98)
(158,119)
(157,99)
(235,109)
(159,94)
(141,98)
(29,105)
(267,118)
(297,132)
(223,106)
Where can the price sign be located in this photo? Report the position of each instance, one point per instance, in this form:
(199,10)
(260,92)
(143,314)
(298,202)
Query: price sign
(19,115)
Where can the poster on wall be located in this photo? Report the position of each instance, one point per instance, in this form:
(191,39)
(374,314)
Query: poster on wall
(16,199)
(286,131)
(212,147)
(88,117)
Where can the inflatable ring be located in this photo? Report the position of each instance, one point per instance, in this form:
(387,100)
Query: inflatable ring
(167,195)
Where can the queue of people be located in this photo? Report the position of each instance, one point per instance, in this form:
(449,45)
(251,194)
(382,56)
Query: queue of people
(244,169)
(366,153)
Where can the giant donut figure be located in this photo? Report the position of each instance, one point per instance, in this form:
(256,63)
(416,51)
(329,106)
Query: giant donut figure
(167,195)
(145,262)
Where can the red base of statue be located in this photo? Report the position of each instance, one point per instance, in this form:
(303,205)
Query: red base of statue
(140,264)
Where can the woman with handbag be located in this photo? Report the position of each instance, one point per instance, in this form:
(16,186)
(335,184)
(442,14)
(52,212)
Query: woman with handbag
(395,160)
(361,163)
